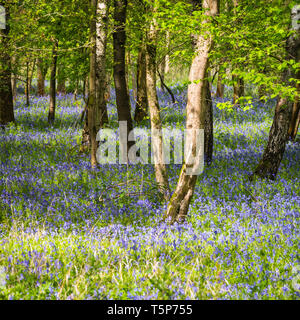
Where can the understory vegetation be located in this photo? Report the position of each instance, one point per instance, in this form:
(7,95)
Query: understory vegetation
(68,232)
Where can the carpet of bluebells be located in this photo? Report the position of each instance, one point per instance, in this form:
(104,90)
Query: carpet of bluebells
(67,232)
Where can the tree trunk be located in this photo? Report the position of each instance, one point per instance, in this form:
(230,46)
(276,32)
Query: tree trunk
(134,83)
(102,23)
(27,84)
(6,98)
(220,88)
(270,162)
(61,87)
(127,68)
(51,114)
(294,125)
(167,57)
(238,88)
(92,100)
(238,83)
(30,76)
(156,126)
(61,83)
(279,132)
(122,97)
(162,67)
(208,126)
(41,73)
(141,107)
(86,86)
(196,115)
(14,77)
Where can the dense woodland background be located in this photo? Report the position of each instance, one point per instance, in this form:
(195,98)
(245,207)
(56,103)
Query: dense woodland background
(72,228)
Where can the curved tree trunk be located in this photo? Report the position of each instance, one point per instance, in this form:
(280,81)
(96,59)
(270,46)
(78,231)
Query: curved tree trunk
(196,115)
(156,126)
(6,98)
(279,132)
(122,96)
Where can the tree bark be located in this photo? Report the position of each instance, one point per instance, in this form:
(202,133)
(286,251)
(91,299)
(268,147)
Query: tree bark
(294,125)
(279,132)
(238,88)
(208,126)
(51,114)
(162,67)
(27,84)
(41,74)
(101,41)
(167,57)
(141,107)
(156,126)
(31,72)
(6,98)
(14,77)
(122,96)
(29,75)
(196,115)
(220,88)
(61,83)
(92,102)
